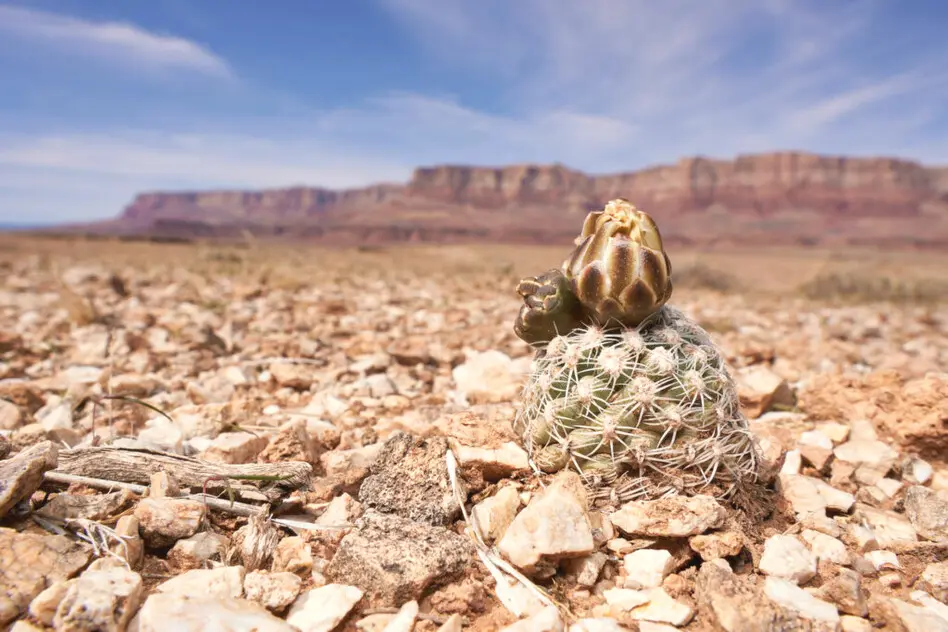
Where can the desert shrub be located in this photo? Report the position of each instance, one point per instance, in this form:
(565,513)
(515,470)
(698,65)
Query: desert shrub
(700,276)
(863,287)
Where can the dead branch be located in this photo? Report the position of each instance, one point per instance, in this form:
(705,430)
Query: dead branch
(134,465)
(236,508)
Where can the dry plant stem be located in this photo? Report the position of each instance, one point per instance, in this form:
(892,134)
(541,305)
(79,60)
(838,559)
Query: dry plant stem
(236,508)
(492,558)
(137,465)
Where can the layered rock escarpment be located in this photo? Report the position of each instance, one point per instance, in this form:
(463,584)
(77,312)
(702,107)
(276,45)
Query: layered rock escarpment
(784,197)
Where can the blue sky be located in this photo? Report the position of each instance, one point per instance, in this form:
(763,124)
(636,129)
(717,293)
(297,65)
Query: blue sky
(102,99)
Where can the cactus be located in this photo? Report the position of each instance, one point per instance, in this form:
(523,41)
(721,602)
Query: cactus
(549,308)
(625,388)
(619,270)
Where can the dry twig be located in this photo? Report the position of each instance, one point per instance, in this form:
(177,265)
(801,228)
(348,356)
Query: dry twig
(134,465)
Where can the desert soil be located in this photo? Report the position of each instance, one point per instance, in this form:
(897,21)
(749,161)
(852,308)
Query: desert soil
(263,437)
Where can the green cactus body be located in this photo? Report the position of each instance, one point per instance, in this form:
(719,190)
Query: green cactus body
(652,405)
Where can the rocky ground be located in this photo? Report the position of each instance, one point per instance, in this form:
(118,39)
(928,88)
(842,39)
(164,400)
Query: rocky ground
(197,437)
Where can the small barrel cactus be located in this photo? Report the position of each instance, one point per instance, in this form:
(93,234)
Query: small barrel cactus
(626,389)
(619,269)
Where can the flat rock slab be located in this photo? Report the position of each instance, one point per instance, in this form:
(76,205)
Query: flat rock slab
(394,559)
(675,516)
(29,563)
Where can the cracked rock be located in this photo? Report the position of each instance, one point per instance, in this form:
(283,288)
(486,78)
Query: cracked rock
(928,512)
(394,559)
(409,478)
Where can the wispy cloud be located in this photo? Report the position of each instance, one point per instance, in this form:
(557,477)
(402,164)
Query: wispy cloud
(112,42)
(698,76)
(600,85)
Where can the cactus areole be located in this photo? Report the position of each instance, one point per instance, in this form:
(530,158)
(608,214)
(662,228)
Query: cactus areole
(626,389)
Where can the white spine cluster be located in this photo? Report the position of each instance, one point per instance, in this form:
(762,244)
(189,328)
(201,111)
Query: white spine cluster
(649,410)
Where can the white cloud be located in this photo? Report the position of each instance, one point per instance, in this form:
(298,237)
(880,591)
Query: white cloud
(95,175)
(700,76)
(112,42)
(599,85)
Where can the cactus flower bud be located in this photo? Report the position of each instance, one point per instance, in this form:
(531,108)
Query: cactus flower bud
(619,270)
(549,308)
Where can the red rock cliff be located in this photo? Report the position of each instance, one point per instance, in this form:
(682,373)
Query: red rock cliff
(787,195)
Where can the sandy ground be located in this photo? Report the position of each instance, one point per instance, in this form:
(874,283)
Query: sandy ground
(268,355)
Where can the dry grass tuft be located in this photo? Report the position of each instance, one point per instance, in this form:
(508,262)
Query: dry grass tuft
(855,287)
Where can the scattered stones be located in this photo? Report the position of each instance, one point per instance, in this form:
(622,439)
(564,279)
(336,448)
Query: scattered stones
(292,554)
(883,560)
(915,618)
(546,620)
(10,416)
(846,591)
(404,619)
(258,363)
(198,550)
(934,579)
(97,508)
(224,581)
(825,547)
(790,596)
(585,570)
(493,464)
(295,376)
(888,527)
(760,390)
(487,377)
(235,447)
(917,471)
(101,598)
(716,545)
